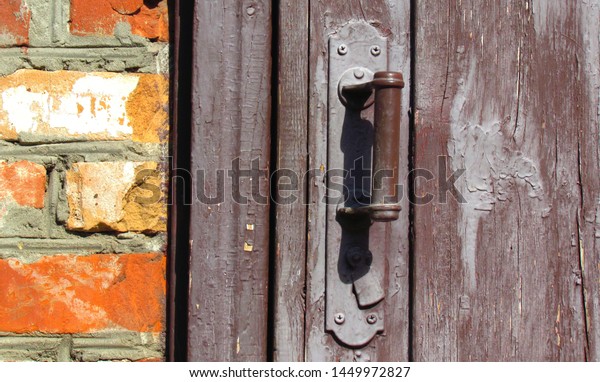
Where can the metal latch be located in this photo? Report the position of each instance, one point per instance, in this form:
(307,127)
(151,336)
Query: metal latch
(363,161)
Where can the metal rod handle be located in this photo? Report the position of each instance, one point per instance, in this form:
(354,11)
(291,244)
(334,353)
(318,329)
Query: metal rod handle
(388,97)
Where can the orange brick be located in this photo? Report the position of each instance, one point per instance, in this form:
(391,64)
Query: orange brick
(83,294)
(66,105)
(24,183)
(14,23)
(147,18)
(150,360)
(116,196)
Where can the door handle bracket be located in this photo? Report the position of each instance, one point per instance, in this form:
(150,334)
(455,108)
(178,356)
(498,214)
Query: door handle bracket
(362,141)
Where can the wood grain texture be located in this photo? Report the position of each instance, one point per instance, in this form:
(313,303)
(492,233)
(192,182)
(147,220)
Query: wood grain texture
(292,141)
(391,18)
(507,91)
(229,241)
(588,105)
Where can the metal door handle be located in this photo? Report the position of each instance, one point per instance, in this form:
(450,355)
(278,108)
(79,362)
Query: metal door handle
(387,90)
(364,143)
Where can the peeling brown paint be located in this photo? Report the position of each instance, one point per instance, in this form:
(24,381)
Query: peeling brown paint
(502,90)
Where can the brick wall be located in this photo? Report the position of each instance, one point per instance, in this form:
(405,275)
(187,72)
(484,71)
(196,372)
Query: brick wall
(83,140)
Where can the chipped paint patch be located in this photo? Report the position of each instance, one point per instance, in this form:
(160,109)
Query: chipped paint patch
(494,169)
(91,105)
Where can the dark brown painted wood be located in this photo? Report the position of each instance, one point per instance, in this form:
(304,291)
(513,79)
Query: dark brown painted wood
(180,14)
(292,141)
(508,91)
(173,215)
(229,240)
(587,103)
(392,18)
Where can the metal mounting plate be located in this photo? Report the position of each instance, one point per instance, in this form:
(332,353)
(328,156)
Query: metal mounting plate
(354,312)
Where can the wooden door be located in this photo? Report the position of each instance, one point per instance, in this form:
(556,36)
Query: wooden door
(230,152)
(301,229)
(507,91)
(494,256)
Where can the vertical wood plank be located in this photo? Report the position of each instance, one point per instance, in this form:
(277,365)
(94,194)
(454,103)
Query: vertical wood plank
(175,22)
(392,18)
(229,240)
(292,141)
(588,64)
(508,92)
(180,14)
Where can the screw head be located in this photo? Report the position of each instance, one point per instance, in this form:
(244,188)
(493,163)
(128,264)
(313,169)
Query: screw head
(342,49)
(250,10)
(339,318)
(372,318)
(357,257)
(375,50)
(359,73)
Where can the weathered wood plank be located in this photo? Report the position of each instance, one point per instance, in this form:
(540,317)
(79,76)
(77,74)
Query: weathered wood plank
(505,90)
(392,19)
(292,142)
(588,104)
(229,240)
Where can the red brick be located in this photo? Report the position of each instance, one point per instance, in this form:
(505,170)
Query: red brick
(14,23)
(83,294)
(23,182)
(147,18)
(126,7)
